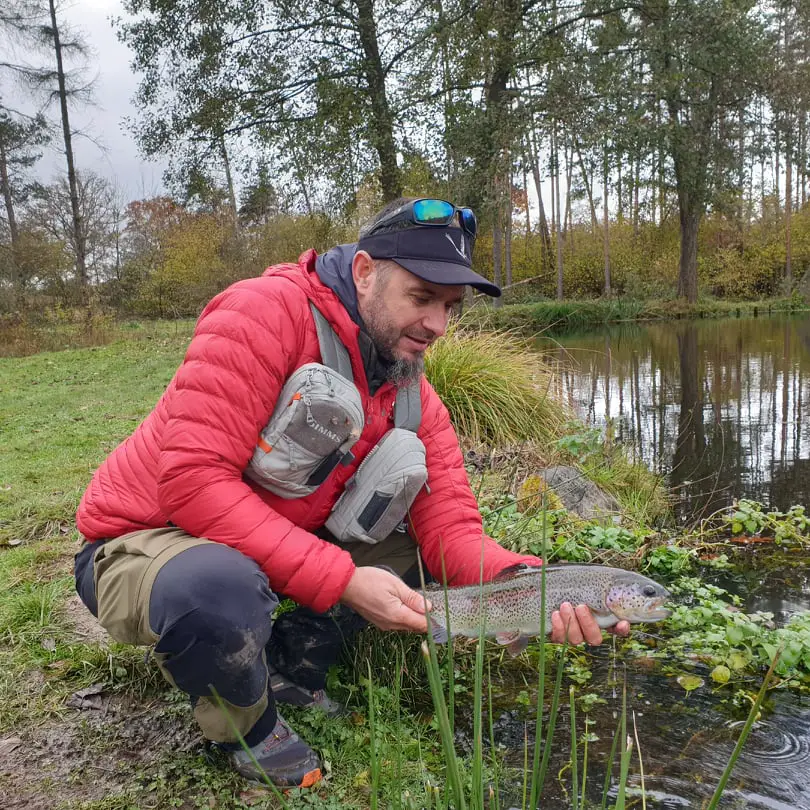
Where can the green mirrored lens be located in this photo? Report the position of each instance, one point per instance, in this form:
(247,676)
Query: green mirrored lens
(433,211)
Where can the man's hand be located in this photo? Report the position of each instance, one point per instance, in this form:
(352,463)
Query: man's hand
(385,600)
(580,625)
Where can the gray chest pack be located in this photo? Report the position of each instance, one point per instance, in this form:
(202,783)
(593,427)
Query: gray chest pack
(317,420)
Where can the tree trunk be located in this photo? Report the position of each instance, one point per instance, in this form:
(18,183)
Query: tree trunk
(777,169)
(555,149)
(527,240)
(507,254)
(9,202)
(497,247)
(687,267)
(382,130)
(544,232)
(606,219)
(80,240)
(568,221)
(636,184)
(788,212)
(587,184)
(226,163)
(12,221)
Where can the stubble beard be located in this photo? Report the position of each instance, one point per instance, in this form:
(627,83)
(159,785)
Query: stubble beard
(402,371)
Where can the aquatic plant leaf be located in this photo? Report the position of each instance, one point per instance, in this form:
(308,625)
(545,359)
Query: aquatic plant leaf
(721,674)
(690,682)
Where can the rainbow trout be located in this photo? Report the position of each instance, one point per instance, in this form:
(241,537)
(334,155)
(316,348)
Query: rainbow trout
(511,605)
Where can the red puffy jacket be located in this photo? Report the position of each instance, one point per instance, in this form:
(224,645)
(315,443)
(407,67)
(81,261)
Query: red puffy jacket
(184,463)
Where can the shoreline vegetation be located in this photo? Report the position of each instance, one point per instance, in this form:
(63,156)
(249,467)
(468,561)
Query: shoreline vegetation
(524,312)
(528,316)
(127,740)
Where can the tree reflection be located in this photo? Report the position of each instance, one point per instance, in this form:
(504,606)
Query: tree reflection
(716,405)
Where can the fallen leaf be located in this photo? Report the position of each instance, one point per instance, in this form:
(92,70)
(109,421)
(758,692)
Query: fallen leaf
(690,682)
(253,795)
(88,698)
(15,541)
(88,691)
(9,744)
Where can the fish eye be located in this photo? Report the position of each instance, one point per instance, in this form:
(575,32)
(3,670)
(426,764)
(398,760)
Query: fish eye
(649,590)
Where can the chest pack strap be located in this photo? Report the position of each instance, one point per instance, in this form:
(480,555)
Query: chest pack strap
(408,405)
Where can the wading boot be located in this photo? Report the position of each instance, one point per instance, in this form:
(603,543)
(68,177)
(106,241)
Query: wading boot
(286,691)
(282,756)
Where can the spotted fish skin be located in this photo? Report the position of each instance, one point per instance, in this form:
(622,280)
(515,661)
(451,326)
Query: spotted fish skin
(510,606)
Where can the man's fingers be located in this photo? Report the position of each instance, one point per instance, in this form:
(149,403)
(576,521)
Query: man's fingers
(591,631)
(620,629)
(564,625)
(410,620)
(413,600)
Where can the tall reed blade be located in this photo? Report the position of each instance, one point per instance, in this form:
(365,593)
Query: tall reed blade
(574,775)
(372,730)
(429,654)
(609,767)
(537,779)
(752,716)
(627,752)
(246,748)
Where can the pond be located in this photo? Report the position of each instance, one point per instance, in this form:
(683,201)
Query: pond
(720,407)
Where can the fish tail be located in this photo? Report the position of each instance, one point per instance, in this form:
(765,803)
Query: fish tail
(438,630)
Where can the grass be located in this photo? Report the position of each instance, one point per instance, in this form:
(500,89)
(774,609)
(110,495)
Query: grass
(60,413)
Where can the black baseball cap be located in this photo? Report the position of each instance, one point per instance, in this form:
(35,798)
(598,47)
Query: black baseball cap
(441,255)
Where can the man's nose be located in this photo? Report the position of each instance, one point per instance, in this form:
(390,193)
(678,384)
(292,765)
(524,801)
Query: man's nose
(437,319)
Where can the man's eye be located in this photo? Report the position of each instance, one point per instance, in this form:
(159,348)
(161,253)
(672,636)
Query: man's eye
(421,300)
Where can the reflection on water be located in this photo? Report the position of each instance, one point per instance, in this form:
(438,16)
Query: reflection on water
(719,407)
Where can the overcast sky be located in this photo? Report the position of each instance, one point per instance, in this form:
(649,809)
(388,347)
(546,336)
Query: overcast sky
(115,155)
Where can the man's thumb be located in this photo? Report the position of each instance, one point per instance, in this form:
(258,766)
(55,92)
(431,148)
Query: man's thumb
(415,601)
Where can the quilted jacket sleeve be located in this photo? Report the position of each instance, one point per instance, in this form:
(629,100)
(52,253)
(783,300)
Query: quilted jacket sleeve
(446,520)
(245,345)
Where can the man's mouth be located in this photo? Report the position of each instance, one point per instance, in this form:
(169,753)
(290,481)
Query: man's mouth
(416,344)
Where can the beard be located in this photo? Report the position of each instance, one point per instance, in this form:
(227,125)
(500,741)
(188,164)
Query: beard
(385,335)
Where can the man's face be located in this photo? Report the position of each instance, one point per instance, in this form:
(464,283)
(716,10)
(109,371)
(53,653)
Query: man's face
(404,314)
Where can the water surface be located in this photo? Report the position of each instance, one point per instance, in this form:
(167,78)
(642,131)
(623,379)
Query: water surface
(720,407)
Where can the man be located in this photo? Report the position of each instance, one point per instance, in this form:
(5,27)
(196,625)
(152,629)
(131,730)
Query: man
(215,508)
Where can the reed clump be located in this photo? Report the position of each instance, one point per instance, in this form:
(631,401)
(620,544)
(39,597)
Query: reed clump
(496,389)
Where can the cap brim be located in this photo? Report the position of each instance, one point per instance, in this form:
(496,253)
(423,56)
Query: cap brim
(447,273)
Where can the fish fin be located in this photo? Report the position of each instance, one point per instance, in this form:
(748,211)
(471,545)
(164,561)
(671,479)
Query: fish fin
(510,571)
(507,637)
(513,641)
(518,646)
(438,631)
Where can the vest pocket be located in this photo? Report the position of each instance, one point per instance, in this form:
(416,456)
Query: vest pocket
(317,419)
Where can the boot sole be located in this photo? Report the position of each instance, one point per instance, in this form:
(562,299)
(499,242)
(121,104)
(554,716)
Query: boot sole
(307,781)
(311,778)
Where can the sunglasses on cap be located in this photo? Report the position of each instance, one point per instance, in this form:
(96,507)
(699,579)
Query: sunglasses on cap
(432,213)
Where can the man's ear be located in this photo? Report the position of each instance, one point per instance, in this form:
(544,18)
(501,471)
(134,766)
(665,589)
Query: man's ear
(362,272)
